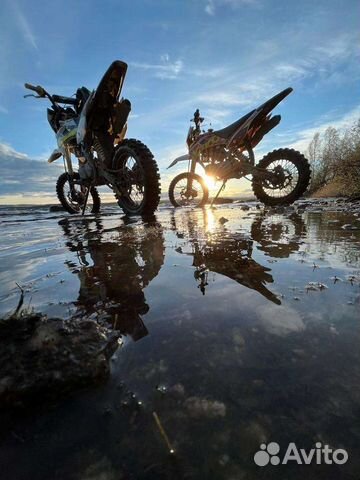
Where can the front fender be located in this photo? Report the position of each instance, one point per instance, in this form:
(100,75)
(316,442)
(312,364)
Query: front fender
(183,158)
(57,153)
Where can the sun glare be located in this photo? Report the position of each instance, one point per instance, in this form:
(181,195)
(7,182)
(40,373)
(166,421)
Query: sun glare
(210,182)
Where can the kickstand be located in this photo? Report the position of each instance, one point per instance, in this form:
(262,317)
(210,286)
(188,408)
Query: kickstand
(218,193)
(86,200)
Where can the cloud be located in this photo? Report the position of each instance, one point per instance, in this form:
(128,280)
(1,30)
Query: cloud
(212,5)
(317,63)
(7,151)
(226,98)
(290,72)
(208,72)
(170,70)
(24,26)
(338,48)
(229,88)
(164,70)
(23,176)
(210,8)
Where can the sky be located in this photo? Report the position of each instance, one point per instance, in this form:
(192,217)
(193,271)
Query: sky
(222,56)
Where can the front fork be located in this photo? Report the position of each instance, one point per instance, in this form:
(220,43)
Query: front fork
(70,171)
(190,177)
(68,163)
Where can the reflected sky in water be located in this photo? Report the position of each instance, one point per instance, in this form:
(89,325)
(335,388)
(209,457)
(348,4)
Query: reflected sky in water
(240,327)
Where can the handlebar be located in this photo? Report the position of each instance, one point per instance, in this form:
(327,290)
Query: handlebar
(67,100)
(38,89)
(54,99)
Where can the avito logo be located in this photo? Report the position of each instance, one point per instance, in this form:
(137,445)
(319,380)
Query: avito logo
(270,454)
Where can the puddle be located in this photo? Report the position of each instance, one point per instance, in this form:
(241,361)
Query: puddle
(236,333)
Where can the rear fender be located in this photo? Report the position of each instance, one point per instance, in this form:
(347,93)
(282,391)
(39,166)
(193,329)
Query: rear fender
(82,129)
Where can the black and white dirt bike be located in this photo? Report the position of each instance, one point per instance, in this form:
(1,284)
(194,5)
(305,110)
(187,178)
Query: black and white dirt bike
(92,127)
(281,177)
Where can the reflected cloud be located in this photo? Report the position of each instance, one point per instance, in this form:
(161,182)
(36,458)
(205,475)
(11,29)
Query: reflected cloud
(279,320)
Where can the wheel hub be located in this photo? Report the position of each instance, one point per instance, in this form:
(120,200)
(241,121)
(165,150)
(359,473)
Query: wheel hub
(279,178)
(189,193)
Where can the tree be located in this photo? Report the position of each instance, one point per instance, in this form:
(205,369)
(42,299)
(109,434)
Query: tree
(334,155)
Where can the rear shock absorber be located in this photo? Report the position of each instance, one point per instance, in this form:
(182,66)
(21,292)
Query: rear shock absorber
(103,156)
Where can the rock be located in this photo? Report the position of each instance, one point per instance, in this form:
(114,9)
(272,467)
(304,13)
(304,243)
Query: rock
(99,469)
(202,407)
(348,226)
(177,389)
(238,339)
(44,358)
(56,208)
(223,220)
(222,200)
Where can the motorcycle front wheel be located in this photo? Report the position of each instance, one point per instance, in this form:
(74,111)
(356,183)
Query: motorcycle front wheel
(282,177)
(139,178)
(72,199)
(181,195)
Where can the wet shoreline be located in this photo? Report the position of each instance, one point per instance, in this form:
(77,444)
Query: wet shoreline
(235,332)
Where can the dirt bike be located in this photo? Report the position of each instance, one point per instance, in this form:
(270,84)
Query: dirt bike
(92,127)
(281,177)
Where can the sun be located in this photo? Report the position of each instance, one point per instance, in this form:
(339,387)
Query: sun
(210,182)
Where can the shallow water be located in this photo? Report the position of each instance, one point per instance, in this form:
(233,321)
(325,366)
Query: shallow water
(237,333)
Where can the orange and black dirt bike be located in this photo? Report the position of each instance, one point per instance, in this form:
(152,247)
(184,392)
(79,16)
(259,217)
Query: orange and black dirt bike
(280,177)
(91,127)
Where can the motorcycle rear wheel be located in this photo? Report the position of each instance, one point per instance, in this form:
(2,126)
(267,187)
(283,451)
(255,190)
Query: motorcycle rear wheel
(291,177)
(180,197)
(74,203)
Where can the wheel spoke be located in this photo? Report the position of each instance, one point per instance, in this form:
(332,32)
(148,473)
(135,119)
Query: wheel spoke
(184,196)
(285,178)
(75,197)
(134,179)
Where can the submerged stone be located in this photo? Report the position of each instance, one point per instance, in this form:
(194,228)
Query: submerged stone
(203,407)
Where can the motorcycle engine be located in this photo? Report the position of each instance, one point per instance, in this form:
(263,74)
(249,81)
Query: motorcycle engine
(85,170)
(228,168)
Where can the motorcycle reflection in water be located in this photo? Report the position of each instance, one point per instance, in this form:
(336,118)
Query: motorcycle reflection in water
(231,257)
(114,266)
(230,254)
(278,236)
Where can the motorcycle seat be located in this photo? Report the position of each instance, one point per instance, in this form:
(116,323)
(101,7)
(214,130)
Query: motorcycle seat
(227,132)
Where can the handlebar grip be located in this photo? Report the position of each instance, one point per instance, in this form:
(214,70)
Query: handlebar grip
(31,87)
(38,89)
